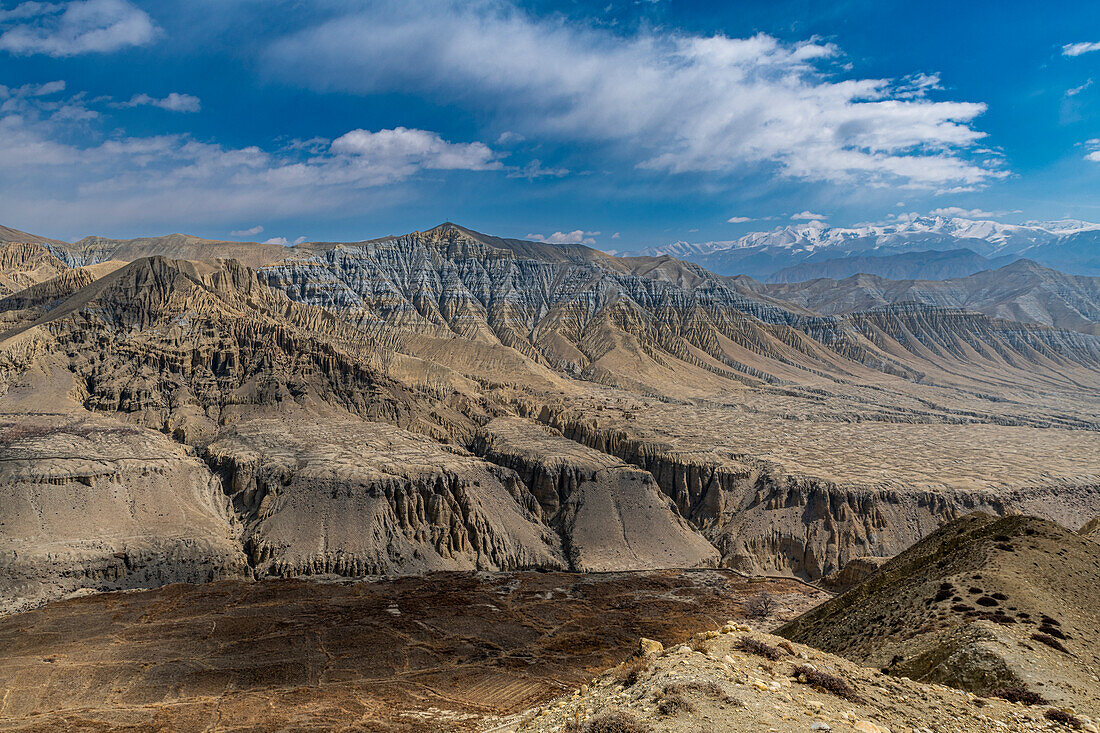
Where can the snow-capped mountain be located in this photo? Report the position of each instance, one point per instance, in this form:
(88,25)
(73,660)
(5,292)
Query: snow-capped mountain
(1070,245)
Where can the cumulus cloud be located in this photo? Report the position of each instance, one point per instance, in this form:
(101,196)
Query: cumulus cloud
(174,102)
(662,100)
(250,232)
(77,27)
(739,219)
(1076,49)
(403,151)
(808,216)
(576,236)
(57,167)
(1094,150)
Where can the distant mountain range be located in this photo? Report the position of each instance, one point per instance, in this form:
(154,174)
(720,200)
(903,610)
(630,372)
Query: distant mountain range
(1020,291)
(900,251)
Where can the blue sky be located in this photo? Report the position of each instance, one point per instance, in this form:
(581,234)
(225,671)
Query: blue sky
(572,121)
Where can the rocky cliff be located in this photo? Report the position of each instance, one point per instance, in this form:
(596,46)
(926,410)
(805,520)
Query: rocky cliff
(90,503)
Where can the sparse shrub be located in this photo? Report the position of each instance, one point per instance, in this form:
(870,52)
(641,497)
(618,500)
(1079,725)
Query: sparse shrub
(671,702)
(826,682)
(762,605)
(987,602)
(1016,692)
(699,644)
(786,646)
(631,671)
(759,648)
(1050,641)
(1053,631)
(999,596)
(1061,716)
(943,594)
(672,698)
(612,721)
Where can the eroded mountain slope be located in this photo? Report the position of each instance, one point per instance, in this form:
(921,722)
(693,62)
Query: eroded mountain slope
(791,442)
(987,604)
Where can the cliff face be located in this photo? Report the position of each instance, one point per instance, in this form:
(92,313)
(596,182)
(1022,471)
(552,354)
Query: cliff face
(354,498)
(90,503)
(765,520)
(610,515)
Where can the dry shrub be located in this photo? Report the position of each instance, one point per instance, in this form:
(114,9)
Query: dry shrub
(1061,716)
(699,644)
(709,688)
(1050,641)
(759,648)
(826,682)
(631,671)
(761,605)
(1016,692)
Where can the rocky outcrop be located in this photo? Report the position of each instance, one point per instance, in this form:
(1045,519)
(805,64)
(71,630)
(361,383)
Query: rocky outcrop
(854,572)
(90,503)
(611,516)
(23,264)
(355,498)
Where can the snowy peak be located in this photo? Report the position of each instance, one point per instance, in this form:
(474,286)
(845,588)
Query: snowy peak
(1075,244)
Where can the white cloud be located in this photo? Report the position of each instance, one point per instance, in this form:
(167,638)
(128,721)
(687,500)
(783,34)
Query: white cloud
(577,236)
(535,169)
(1094,153)
(1077,90)
(299,240)
(77,27)
(403,151)
(662,100)
(508,137)
(616,235)
(58,169)
(809,216)
(174,102)
(1094,156)
(961,213)
(276,240)
(739,219)
(1076,49)
(250,232)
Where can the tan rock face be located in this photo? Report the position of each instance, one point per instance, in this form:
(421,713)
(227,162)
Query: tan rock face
(354,498)
(611,516)
(790,442)
(87,502)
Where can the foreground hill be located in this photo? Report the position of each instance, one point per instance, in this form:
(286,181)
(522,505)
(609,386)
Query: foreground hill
(530,389)
(1022,291)
(738,679)
(999,606)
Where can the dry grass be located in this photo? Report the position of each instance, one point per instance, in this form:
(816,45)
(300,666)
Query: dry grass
(1050,641)
(630,671)
(1061,716)
(1018,693)
(759,648)
(826,682)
